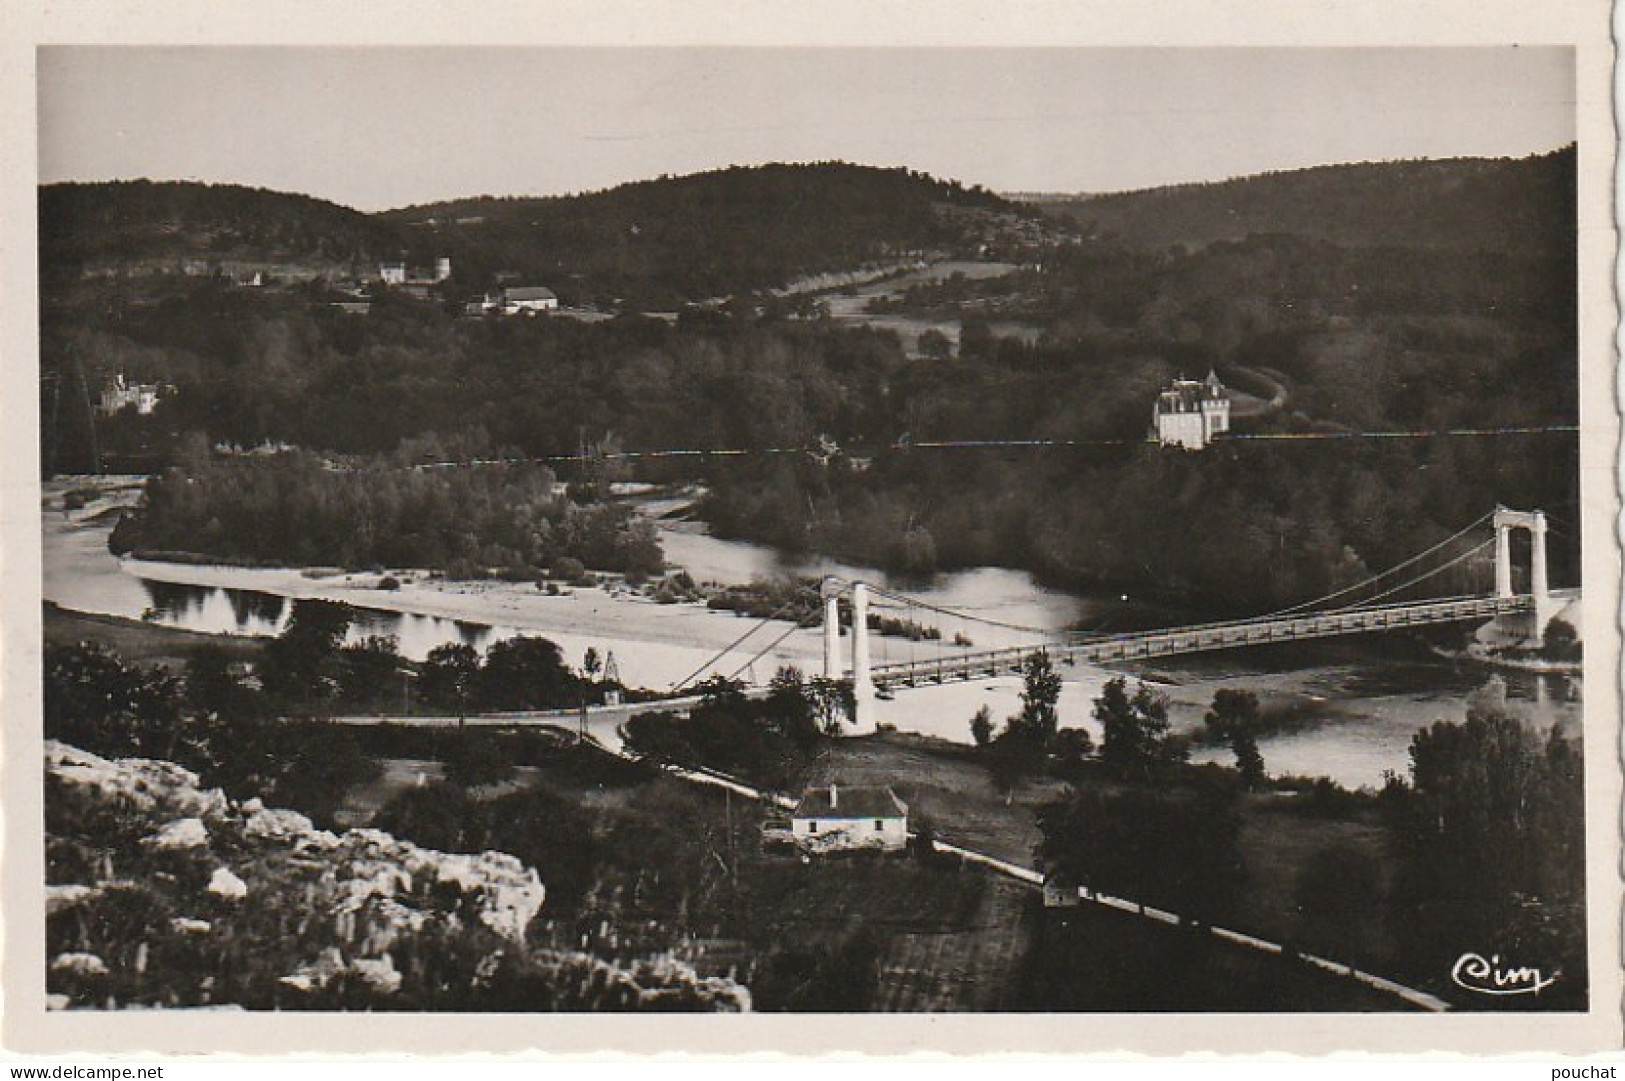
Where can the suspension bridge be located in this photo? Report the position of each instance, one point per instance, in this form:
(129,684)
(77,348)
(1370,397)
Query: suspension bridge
(1392,599)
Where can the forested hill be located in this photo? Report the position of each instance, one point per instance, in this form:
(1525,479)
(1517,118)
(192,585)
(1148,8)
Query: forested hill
(142,224)
(650,244)
(718,233)
(1464,204)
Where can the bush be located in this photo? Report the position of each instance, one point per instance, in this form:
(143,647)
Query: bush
(1561,641)
(1324,798)
(475,759)
(568,568)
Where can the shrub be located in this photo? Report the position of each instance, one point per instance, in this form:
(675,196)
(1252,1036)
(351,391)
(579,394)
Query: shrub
(568,568)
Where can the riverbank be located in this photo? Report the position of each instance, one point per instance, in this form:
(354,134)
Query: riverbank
(138,641)
(1529,661)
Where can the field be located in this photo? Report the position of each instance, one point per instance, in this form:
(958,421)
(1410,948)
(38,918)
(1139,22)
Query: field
(946,788)
(1278,845)
(949,938)
(974,967)
(1095,958)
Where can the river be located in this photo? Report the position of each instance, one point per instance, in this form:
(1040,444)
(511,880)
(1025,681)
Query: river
(1360,706)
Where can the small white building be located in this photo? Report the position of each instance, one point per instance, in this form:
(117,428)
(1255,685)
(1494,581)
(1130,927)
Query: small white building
(520,299)
(1190,413)
(396,272)
(122,395)
(840,818)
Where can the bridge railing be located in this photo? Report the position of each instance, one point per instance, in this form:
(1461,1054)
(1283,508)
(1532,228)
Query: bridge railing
(1277,617)
(990,660)
(1215,635)
(1180,640)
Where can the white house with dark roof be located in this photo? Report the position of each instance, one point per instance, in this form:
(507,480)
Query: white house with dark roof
(518,299)
(837,817)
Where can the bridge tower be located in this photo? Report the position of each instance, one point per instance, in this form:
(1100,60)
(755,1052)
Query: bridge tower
(832,629)
(1539,585)
(863,686)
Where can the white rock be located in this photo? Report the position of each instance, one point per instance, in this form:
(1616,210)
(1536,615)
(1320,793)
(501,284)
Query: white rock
(186,925)
(321,840)
(276,824)
(366,879)
(227,885)
(328,963)
(57,1002)
(62,898)
(80,964)
(378,973)
(511,892)
(143,782)
(181,833)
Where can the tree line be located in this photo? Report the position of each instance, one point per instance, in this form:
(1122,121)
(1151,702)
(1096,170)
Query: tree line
(298,508)
(259,730)
(1482,843)
(767,741)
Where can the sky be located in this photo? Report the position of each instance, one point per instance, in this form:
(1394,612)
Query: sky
(381,127)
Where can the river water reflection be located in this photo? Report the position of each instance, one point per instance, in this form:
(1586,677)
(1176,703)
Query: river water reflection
(216,610)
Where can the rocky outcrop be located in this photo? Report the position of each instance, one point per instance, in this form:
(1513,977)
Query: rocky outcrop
(164,893)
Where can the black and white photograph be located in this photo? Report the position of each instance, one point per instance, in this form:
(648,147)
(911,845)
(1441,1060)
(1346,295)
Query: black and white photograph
(784,530)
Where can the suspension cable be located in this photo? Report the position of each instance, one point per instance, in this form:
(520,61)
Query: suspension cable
(958,614)
(730,647)
(1419,578)
(1373,579)
(793,628)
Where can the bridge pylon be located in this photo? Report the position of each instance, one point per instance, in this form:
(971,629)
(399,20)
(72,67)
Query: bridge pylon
(863,685)
(1534,522)
(832,629)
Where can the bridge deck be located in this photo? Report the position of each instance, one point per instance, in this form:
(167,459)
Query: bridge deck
(1170,641)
